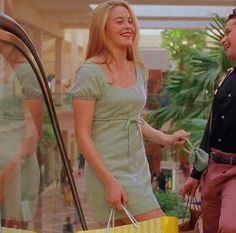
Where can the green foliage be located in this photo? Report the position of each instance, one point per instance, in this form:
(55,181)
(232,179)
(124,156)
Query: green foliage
(48,136)
(180,41)
(195,126)
(170,203)
(67,101)
(190,90)
(216,30)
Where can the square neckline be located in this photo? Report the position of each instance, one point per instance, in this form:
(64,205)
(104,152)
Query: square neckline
(115,86)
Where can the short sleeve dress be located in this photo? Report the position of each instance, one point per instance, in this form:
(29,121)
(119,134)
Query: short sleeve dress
(20,192)
(118,138)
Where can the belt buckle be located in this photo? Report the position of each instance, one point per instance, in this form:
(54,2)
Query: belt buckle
(213,153)
(217,157)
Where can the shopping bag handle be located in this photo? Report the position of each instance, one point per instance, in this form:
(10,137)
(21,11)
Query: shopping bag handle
(111,220)
(191,200)
(130,216)
(195,205)
(192,147)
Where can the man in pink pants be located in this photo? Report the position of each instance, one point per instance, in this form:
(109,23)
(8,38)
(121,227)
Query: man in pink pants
(218,181)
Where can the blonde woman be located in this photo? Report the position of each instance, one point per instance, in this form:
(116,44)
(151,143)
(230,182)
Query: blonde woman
(109,95)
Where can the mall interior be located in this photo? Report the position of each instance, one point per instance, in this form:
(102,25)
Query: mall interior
(58,29)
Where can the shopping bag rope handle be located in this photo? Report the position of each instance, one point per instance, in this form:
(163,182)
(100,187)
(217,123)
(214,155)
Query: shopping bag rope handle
(195,204)
(190,145)
(191,200)
(130,216)
(111,220)
(185,210)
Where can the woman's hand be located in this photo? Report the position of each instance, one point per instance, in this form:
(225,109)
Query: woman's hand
(178,137)
(190,187)
(116,195)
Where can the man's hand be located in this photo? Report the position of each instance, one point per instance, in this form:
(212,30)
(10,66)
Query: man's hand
(190,187)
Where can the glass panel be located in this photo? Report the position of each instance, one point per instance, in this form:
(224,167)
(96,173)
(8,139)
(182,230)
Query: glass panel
(34,189)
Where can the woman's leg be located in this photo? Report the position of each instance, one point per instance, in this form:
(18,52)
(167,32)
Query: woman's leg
(142,217)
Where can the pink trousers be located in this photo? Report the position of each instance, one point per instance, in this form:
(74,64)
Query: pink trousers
(218,198)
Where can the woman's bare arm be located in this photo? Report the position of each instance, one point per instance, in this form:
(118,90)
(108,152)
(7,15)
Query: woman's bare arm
(158,137)
(84,113)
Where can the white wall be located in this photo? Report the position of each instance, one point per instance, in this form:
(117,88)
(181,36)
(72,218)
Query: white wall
(155,58)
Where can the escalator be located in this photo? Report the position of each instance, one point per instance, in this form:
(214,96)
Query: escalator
(37,189)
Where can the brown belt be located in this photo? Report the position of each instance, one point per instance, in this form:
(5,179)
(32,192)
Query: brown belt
(223,157)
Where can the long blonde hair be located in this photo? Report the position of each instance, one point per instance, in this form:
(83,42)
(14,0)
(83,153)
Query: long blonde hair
(97,37)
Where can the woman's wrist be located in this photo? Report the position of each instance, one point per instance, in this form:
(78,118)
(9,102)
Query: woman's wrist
(169,140)
(109,180)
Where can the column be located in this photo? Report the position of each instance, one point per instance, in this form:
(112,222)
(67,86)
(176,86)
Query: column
(58,71)
(2,5)
(74,53)
(66,139)
(1,59)
(6,6)
(38,40)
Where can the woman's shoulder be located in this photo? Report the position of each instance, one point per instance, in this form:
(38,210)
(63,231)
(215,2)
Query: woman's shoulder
(93,62)
(87,83)
(87,65)
(90,70)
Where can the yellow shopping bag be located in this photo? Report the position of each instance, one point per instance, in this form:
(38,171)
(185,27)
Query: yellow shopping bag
(11,230)
(163,224)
